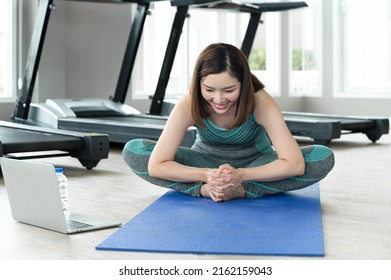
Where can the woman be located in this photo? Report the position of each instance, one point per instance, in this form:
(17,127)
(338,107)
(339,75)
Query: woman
(243,147)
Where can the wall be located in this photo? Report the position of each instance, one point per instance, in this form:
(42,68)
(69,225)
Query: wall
(96,37)
(52,67)
(6,110)
(82,52)
(95,46)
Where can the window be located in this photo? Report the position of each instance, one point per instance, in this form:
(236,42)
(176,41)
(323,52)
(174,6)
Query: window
(152,48)
(306,49)
(365,46)
(6,53)
(208,26)
(203,27)
(264,59)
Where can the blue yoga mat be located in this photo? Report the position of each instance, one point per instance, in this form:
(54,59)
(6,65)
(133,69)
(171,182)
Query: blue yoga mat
(288,224)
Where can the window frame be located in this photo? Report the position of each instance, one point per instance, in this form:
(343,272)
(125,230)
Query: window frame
(12,50)
(317,16)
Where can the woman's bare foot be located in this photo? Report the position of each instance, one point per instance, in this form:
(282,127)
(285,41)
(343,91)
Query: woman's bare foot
(206,191)
(237,192)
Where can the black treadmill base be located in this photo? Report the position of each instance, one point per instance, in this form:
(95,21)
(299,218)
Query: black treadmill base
(25,141)
(323,128)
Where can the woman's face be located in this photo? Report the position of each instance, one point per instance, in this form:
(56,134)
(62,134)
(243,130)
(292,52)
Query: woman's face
(221,91)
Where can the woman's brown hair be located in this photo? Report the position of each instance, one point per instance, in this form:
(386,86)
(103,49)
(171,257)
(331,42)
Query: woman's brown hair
(218,58)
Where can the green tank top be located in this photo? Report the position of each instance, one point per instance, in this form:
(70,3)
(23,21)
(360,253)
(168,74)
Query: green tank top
(247,140)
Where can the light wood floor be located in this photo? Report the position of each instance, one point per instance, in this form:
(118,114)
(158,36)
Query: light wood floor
(355,201)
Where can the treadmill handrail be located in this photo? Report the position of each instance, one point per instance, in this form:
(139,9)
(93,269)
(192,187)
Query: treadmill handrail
(131,52)
(192,2)
(30,73)
(172,46)
(254,7)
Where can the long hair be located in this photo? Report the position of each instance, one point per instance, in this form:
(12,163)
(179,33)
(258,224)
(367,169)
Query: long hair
(215,59)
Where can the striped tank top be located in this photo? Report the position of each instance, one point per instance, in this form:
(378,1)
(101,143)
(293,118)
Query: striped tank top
(236,146)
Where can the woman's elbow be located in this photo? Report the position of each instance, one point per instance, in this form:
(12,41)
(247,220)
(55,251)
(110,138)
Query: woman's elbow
(152,170)
(300,167)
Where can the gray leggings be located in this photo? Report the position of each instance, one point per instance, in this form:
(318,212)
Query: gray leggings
(319,160)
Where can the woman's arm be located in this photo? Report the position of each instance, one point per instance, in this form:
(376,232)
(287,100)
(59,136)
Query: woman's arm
(225,182)
(161,162)
(290,160)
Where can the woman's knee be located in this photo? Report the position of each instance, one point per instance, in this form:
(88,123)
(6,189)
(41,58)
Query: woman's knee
(326,155)
(317,153)
(137,149)
(139,146)
(319,160)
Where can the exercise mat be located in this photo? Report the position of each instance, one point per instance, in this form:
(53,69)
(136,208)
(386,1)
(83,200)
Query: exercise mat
(288,224)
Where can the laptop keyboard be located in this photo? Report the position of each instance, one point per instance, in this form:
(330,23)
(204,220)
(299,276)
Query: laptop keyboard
(77,225)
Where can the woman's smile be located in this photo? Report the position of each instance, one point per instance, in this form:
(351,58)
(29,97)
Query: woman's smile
(220,106)
(221,91)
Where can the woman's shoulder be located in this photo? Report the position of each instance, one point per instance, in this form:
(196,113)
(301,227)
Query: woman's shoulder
(263,99)
(182,109)
(259,101)
(264,105)
(261,94)
(183,103)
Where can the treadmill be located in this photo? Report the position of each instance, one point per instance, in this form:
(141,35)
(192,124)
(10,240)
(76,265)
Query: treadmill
(120,121)
(21,141)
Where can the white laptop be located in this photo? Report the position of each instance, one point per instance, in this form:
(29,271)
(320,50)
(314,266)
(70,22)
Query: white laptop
(35,198)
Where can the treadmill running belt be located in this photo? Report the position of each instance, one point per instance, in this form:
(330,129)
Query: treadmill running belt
(20,140)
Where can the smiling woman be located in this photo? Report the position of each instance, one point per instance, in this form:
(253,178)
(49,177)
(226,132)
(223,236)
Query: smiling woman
(243,148)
